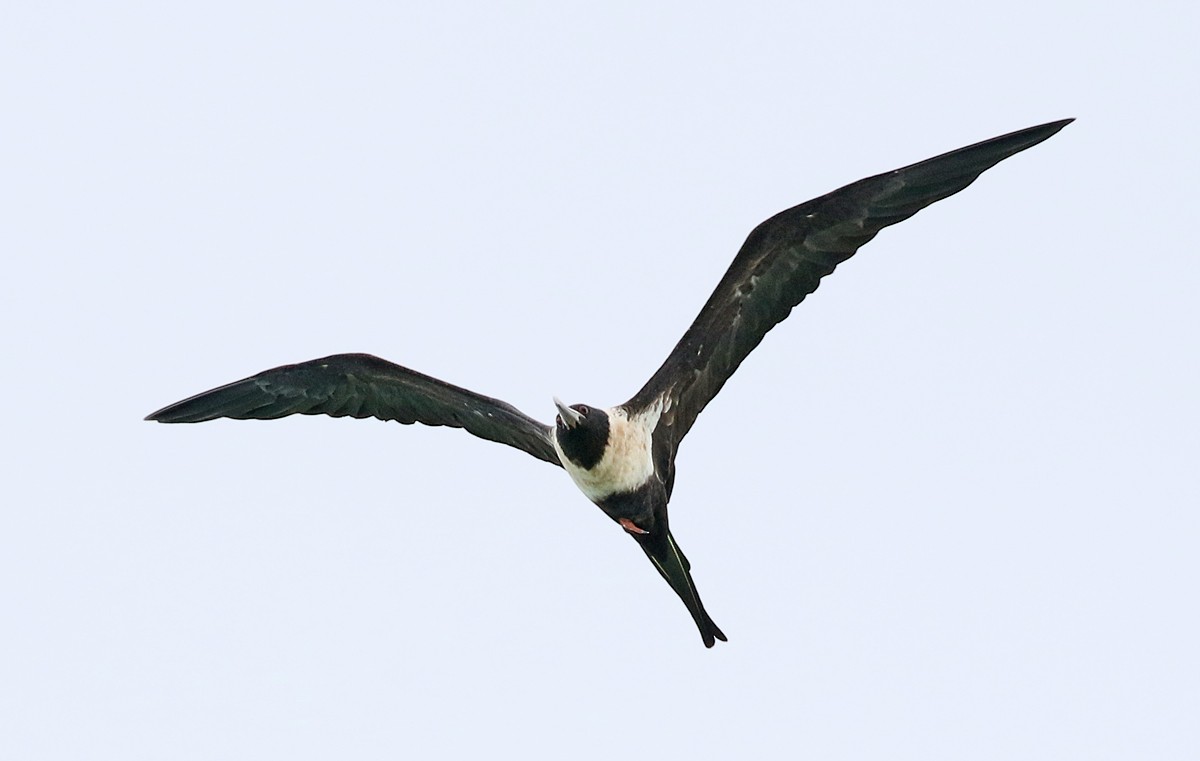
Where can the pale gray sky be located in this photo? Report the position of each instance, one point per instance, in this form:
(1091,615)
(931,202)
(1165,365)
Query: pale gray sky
(947,510)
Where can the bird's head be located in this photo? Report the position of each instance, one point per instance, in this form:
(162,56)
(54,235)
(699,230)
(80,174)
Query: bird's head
(582,432)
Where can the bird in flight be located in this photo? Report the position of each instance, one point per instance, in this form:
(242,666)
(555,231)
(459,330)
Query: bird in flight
(623,458)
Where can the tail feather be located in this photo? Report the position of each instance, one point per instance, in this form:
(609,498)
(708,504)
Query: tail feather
(671,563)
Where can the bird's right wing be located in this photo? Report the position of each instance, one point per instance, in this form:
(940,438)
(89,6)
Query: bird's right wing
(784,259)
(360,385)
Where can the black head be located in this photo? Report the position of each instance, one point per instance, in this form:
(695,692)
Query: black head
(582,432)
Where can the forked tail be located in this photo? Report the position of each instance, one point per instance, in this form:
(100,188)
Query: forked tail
(666,556)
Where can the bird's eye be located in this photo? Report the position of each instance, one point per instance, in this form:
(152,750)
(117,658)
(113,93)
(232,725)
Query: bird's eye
(583,409)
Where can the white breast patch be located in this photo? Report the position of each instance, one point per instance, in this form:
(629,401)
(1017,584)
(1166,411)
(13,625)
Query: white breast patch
(628,460)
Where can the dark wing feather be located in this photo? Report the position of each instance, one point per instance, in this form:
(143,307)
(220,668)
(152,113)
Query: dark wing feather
(784,259)
(360,385)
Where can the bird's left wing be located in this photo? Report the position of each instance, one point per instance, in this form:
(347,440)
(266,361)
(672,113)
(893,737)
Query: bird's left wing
(784,259)
(361,385)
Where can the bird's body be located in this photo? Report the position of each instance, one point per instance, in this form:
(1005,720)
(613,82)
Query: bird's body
(609,454)
(623,458)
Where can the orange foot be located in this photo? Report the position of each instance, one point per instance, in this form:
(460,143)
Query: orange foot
(632,527)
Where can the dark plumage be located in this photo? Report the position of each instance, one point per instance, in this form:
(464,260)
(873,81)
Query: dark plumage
(360,385)
(623,457)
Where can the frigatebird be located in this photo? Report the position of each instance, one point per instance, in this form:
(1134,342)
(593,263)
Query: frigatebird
(623,458)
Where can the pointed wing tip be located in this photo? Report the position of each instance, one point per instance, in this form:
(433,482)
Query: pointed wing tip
(168,414)
(179,412)
(1056,126)
(1011,143)
(159,416)
(1047,130)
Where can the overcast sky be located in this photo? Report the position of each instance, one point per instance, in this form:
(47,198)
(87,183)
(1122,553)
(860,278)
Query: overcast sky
(948,510)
